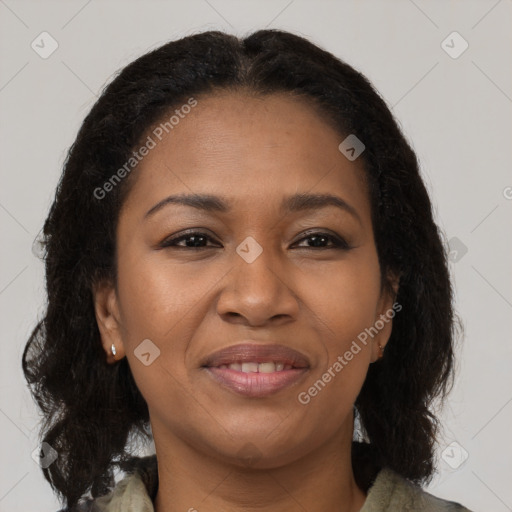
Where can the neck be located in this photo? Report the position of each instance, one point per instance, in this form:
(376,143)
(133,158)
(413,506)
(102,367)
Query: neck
(191,480)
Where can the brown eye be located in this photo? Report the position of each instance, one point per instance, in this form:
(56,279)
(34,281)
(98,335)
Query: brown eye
(321,241)
(192,240)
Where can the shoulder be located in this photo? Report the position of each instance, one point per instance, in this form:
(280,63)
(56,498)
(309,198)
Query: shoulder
(84,506)
(133,493)
(392,492)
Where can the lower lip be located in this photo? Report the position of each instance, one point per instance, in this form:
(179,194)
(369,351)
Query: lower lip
(255,384)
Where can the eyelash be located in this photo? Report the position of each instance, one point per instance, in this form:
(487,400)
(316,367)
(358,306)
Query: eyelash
(338,243)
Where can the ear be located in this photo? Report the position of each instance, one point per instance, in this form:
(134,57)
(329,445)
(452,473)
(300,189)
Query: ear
(386,311)
(107,316)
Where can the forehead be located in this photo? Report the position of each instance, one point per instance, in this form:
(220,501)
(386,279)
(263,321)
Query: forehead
(253,149)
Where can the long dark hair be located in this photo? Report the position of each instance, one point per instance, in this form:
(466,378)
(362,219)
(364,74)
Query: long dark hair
(91,408)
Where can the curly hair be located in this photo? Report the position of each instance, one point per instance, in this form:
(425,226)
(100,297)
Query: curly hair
(91,408)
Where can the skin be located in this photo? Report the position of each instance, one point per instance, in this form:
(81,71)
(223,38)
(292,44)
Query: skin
(253,152)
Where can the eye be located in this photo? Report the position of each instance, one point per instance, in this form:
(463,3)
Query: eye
(192,240)
(199,240)
(320,239)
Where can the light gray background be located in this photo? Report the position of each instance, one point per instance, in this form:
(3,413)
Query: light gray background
(456,112)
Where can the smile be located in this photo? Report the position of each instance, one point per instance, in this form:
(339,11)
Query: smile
(256,380)
(253,367)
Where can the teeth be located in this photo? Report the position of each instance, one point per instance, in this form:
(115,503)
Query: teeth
(266,367)
(249,367)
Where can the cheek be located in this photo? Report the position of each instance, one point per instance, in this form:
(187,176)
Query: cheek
(158,302)
(344,297)
(343,306)
(156,295)
(164,302)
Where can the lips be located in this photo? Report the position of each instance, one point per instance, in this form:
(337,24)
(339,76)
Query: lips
(257,353)
(253,370)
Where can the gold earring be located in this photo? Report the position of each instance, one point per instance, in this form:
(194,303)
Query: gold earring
(381,350)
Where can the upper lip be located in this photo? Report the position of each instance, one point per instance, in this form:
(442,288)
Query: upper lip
(258,353)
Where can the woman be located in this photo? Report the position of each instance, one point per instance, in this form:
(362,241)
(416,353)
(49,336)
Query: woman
(241,261)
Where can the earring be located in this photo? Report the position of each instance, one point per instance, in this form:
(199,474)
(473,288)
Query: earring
(113,350)
(381,350)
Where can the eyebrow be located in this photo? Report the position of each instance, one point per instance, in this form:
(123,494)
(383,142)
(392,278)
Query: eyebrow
(295,203)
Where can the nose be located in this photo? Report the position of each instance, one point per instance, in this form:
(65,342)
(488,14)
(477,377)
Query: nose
(258,293)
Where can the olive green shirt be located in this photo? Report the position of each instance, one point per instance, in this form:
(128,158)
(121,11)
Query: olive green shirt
(389,492)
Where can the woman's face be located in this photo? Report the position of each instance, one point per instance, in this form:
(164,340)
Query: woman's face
(254,272)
